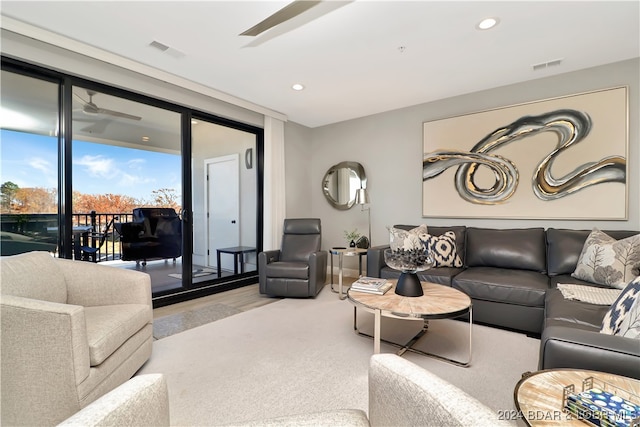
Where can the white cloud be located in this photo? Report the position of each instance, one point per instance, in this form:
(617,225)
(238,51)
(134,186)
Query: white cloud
(42,165)
(129,180)
(99,166)
(136,163)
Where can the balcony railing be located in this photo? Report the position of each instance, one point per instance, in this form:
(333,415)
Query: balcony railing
(39,232)
(110,249)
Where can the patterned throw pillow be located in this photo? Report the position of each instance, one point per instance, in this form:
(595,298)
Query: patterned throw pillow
(443,248)
(408,240)
(623,318)
(607,261)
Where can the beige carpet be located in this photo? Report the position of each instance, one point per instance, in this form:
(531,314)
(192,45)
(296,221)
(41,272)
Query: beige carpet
(301,355)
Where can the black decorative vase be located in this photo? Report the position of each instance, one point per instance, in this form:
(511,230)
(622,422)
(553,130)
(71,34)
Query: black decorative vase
(352,244)
(409,285)
(409,262)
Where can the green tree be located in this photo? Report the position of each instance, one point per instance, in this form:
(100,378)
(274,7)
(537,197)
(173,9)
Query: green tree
(8,192)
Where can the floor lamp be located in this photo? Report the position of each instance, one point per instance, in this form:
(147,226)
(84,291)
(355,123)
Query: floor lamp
(362,198)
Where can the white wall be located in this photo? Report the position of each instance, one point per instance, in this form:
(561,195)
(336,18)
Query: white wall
(300,184)
(389,146)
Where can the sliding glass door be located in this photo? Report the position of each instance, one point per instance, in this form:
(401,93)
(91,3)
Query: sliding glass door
(99,174)
(127,186)
(29,164)
(225,200)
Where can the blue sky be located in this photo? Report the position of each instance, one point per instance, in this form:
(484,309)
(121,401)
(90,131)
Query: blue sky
(30,160)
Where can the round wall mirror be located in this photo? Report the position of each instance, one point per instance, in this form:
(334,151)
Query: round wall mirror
(341,182)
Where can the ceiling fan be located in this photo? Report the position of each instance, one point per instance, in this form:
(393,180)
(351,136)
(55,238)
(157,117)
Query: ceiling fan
(89,107)
(289,11)
(292,10)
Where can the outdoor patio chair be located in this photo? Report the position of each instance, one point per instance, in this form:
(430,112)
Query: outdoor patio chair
(90,253)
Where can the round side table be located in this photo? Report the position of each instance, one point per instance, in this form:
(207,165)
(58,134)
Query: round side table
(341,253)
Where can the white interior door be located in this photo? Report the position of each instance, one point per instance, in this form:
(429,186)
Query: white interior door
(223,207)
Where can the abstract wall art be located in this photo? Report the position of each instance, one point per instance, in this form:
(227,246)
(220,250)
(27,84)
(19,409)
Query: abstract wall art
(560,158)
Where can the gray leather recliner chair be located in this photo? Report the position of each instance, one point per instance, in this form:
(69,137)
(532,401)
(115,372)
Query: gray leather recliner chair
(299,268)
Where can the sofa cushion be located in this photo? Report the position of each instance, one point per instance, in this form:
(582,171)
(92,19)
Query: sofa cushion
(290,270)
(443,249)
(560,311)
(608,261)
(623,317)
(519,287)
(33,275)
(110,326)
(522,249)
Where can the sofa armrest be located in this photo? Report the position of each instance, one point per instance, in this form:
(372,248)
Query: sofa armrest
(375,260)
(39,387)
(566,347)
(404,394)
(141,401)
(91,285)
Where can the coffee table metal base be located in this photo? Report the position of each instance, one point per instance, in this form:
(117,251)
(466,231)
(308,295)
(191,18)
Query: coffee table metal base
(409,345)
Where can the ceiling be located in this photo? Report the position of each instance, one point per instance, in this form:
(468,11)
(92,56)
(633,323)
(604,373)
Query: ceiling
(355,58)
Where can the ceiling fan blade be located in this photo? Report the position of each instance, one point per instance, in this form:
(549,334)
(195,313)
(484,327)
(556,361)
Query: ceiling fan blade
(118,114)
(289,11)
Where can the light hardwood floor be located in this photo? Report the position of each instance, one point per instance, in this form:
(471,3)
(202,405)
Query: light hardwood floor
(243,299)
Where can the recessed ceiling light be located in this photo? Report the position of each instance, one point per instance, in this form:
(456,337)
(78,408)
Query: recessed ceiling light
(487,23)
(297,86)
(194,122)
(145,138)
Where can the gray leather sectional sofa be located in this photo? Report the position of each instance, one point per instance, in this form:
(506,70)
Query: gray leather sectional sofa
(511,276)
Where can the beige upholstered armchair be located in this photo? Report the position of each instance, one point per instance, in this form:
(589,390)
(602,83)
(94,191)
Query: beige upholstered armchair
(71,332)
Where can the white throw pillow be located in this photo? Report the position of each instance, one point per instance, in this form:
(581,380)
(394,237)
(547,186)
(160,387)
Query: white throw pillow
(623,317)
(408,239)
(443,248)
(607,261)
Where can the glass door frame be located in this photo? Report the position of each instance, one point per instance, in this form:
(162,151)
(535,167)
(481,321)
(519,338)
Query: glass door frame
(65,184)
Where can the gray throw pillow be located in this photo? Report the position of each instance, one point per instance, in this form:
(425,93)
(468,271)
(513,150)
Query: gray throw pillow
(607,261)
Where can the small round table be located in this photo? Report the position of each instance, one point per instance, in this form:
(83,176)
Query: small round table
(341,253)
(539,395)
(438,302)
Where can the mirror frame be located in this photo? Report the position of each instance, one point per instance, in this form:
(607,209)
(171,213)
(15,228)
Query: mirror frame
(355,167)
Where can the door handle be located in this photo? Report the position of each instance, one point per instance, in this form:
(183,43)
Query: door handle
(233,221)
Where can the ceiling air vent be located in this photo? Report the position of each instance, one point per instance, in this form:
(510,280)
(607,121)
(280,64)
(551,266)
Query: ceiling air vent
(544,65)
(159,46)
(167,49)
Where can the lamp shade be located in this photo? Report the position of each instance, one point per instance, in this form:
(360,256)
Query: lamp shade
(362,197)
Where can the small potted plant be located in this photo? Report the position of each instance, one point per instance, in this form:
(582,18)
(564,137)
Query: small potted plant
(351,237)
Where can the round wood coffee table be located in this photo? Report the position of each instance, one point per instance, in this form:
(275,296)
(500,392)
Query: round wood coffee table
(438,302)
(539,396)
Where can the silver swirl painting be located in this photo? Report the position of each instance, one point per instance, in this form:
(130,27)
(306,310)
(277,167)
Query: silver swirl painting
(566,160)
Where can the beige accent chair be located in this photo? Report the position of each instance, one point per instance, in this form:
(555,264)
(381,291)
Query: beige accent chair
(141,401)
(71,332)
(400,394)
